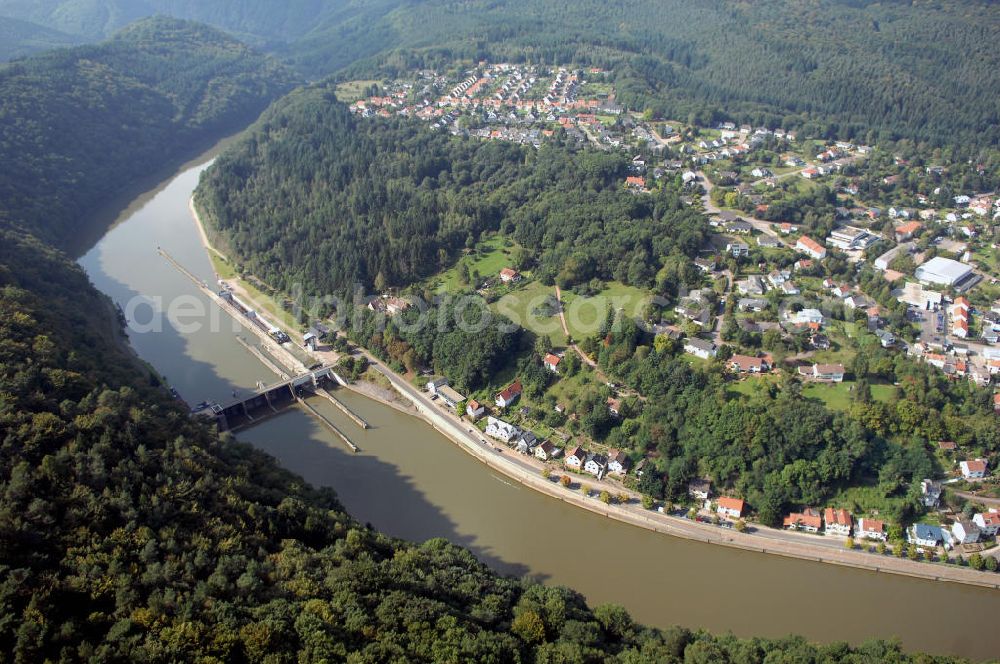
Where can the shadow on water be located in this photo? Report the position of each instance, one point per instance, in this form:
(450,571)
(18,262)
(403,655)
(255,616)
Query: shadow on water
(372,490)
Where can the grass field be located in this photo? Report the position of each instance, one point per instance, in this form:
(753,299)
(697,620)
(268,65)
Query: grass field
(351,91)
(520,305)
(491,256)
(584,316)
(222,267)
(837,396)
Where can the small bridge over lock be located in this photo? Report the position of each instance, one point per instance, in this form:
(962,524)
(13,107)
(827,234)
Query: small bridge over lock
(273,399)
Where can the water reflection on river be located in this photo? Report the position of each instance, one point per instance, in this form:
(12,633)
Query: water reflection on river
(411,482)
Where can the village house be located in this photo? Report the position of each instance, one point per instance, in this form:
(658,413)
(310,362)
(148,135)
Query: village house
(829,372)
(388,304)
(930,493)
(988,524)
(730,507)
(700,348)
(809,246)
(737,249)
(501,430)
(965,531)
(747,364)
(547,451)
(552,362)
(618,462)
(596,465)
(754,304)
(435,384)
(450,396)
(526,442)
(509,275)
(576,457)
(838,522)
(808,520)
(700,489)
(475,410)
(752,285)
(705,264)
(811,317)
(871,529)
(923,534)
(908,230)
(509,395)
(973,468)
(614,406)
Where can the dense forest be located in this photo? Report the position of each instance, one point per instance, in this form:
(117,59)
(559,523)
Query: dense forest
(19,38)
(78,125)
(846,68)
(314,196)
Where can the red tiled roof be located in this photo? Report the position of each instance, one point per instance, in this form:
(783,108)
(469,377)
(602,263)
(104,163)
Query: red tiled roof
(839,517)
(552,359)
(511,391)
(811,244)
(871,525)
(976,465)
(731,504)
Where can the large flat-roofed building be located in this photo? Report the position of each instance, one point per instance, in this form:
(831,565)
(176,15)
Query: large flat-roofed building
(945,271)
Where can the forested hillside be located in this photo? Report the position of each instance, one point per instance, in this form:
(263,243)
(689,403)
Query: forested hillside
(19,38)
(130,532)
(79,125)
(846,68)
(316,196)
(895,69)
(273,22)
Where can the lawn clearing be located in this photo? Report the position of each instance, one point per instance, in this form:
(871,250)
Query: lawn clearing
(489,258)
(584,315)
(351,91)
(837,396)
(521,304)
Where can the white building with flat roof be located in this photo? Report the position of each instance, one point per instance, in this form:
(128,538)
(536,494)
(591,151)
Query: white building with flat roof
(945,271)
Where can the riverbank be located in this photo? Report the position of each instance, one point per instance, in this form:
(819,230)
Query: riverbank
(527,472)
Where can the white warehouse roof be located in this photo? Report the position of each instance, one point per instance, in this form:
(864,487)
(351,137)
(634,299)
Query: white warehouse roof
(945,271)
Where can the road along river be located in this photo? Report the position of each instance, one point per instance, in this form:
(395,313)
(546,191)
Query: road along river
(410,481)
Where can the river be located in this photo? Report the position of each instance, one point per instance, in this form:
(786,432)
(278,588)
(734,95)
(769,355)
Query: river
(411,482)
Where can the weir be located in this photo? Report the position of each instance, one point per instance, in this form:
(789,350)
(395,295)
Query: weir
(271,400)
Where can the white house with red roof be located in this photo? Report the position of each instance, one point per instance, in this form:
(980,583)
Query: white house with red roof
(988,524)
(871,529)
(509,275)
(509,394)
(973,468)
(838,522)
(809,246)
(551,362)
(730,507)
(747,364)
